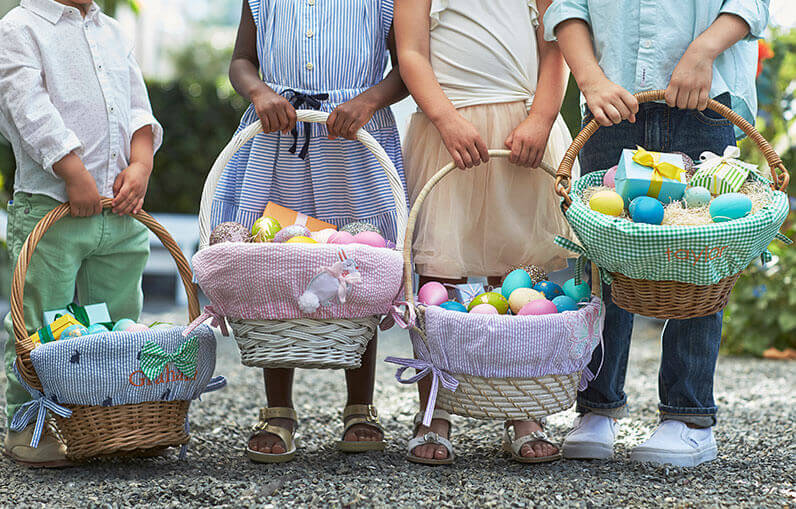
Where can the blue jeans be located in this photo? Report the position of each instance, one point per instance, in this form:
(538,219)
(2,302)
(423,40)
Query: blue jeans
(690,347)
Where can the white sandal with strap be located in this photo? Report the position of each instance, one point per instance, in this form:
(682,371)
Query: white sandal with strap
(361,414)
(287,436)
(430,438)
(514,446)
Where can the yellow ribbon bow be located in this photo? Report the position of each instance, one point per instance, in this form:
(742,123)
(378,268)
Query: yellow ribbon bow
(660,169)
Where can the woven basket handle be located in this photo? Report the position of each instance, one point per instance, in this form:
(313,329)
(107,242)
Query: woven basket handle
(779,174)
(23,343)
(313,116)
(410,227)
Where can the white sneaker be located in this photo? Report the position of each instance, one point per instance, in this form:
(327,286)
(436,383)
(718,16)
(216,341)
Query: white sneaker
(592,437)
(674,443)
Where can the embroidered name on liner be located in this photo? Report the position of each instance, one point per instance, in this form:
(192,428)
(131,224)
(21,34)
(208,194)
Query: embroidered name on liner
(138,379)
(693,256)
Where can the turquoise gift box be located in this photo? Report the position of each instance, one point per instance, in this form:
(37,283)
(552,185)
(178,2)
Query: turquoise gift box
(92,313)
(634,179)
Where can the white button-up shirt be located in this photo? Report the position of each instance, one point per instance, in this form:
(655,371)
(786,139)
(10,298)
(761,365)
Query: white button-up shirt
(69,83)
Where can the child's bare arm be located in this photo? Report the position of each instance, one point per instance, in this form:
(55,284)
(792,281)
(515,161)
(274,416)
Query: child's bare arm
(130,186)
(689,87)
(347,118)
(460,137)
(275,112)
(607,101)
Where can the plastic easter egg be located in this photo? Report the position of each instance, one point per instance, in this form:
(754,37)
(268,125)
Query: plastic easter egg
(565,303)
(538,307)
(74,331)
(484,309)
(549,289)
(522,296)
(359,227)
(696,197)
(97,328)
(607,202)
(265,229)
(432,294)
(578,293)
(370,239)
(288,232)
(136,327)
(517,278)
(341,238)
(609,179)
(322,236)
(646,209)
(493,298)
(301,240)
(452,305)
(727,207)
(161,326)
(123,325)
(229,232)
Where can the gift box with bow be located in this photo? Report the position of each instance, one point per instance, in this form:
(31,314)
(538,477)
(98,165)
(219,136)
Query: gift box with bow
(655,174)
(52,331)
(287,217)
(465,293)
(722,174)
(87,315)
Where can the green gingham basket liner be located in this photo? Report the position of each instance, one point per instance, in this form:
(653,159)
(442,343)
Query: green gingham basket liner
(701,255)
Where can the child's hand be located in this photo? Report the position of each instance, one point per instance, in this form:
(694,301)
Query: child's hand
(129,189)
(608,102)
(462,140)
(689,88)
(349,117)
(275,112)
(81,188)
(528,141)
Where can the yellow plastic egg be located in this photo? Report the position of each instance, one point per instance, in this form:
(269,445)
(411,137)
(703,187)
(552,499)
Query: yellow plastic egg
(300,240)
(607,202)
(521,297)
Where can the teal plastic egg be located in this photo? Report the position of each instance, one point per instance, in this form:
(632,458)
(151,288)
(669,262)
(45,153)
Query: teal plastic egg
(549,289)
(646,209)
(578,293)
(730,206)
(517,278)
(565,303)
(74,331)
(123,324)
(97,328)
(696,197)
(452,305)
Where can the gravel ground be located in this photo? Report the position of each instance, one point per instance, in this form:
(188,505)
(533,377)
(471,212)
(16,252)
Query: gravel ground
(755,467)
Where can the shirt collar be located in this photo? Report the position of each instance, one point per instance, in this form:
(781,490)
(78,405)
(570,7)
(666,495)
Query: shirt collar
(52,11)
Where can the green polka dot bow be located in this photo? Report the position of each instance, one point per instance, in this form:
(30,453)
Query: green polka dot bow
(154,358)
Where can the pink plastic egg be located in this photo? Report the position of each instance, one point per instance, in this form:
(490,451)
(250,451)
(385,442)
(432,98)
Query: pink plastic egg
(484,309)
(538,307)
(341,238)
(609,179)
(323,236)
(370,239)
(432,294)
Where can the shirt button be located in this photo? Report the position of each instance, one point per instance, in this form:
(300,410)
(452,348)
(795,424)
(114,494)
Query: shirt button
(310,33)
(648,44)
(311,2)
(310,66)
(113,155)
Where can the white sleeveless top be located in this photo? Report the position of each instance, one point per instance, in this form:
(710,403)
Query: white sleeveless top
(485,52)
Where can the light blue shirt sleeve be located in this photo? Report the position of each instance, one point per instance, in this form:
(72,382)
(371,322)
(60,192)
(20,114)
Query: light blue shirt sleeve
(562,10)
(754,12)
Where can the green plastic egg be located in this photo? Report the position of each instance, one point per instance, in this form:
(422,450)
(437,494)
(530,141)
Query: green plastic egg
(495,299)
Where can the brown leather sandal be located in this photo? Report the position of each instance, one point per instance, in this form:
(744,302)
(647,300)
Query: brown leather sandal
(287,436)
(361,414)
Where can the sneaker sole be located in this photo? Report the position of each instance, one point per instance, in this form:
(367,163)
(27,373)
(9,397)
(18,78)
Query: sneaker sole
(587,451)
(672,458)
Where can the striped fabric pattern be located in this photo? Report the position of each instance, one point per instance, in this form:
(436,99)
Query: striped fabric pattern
(336,47)
(502,346)
(105,369)
(724,177)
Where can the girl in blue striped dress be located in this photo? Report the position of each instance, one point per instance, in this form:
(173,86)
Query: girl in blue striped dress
(328,55)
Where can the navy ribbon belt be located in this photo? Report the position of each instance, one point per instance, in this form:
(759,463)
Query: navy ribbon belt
(307,101)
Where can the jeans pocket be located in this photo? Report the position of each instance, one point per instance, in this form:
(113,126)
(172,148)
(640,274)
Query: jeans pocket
(711,118)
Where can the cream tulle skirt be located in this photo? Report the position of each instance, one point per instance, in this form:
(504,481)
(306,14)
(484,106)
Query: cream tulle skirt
(482,221)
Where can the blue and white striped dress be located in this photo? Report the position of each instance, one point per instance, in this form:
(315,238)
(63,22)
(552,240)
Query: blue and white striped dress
(334,47)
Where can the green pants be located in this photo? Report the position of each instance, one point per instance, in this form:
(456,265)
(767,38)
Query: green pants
(103,256)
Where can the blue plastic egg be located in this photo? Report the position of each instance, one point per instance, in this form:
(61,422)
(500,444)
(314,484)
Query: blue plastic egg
(97,328)
(730,206)
(646,209)
(74,331)
(565,303)
(578,293)
(517,278)
(452,305)
(696,197)
(549,289)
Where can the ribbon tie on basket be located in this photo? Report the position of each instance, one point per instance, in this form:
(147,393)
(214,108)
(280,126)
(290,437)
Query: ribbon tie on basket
(425,368)
(581,261)
(154,358)
(216,320)
(339,272)
(401,314)
(38,407)
(299,100)
(660,168)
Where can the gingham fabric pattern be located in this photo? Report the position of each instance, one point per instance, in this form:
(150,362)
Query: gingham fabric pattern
(701,255)
(502,346)
(105,369)
(264,281)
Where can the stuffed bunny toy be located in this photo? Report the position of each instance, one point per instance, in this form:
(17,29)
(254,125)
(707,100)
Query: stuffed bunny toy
(331,285)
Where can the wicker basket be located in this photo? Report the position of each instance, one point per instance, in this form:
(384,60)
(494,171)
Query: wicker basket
(671,299)
(94,431)
(476,396)
(306,342)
